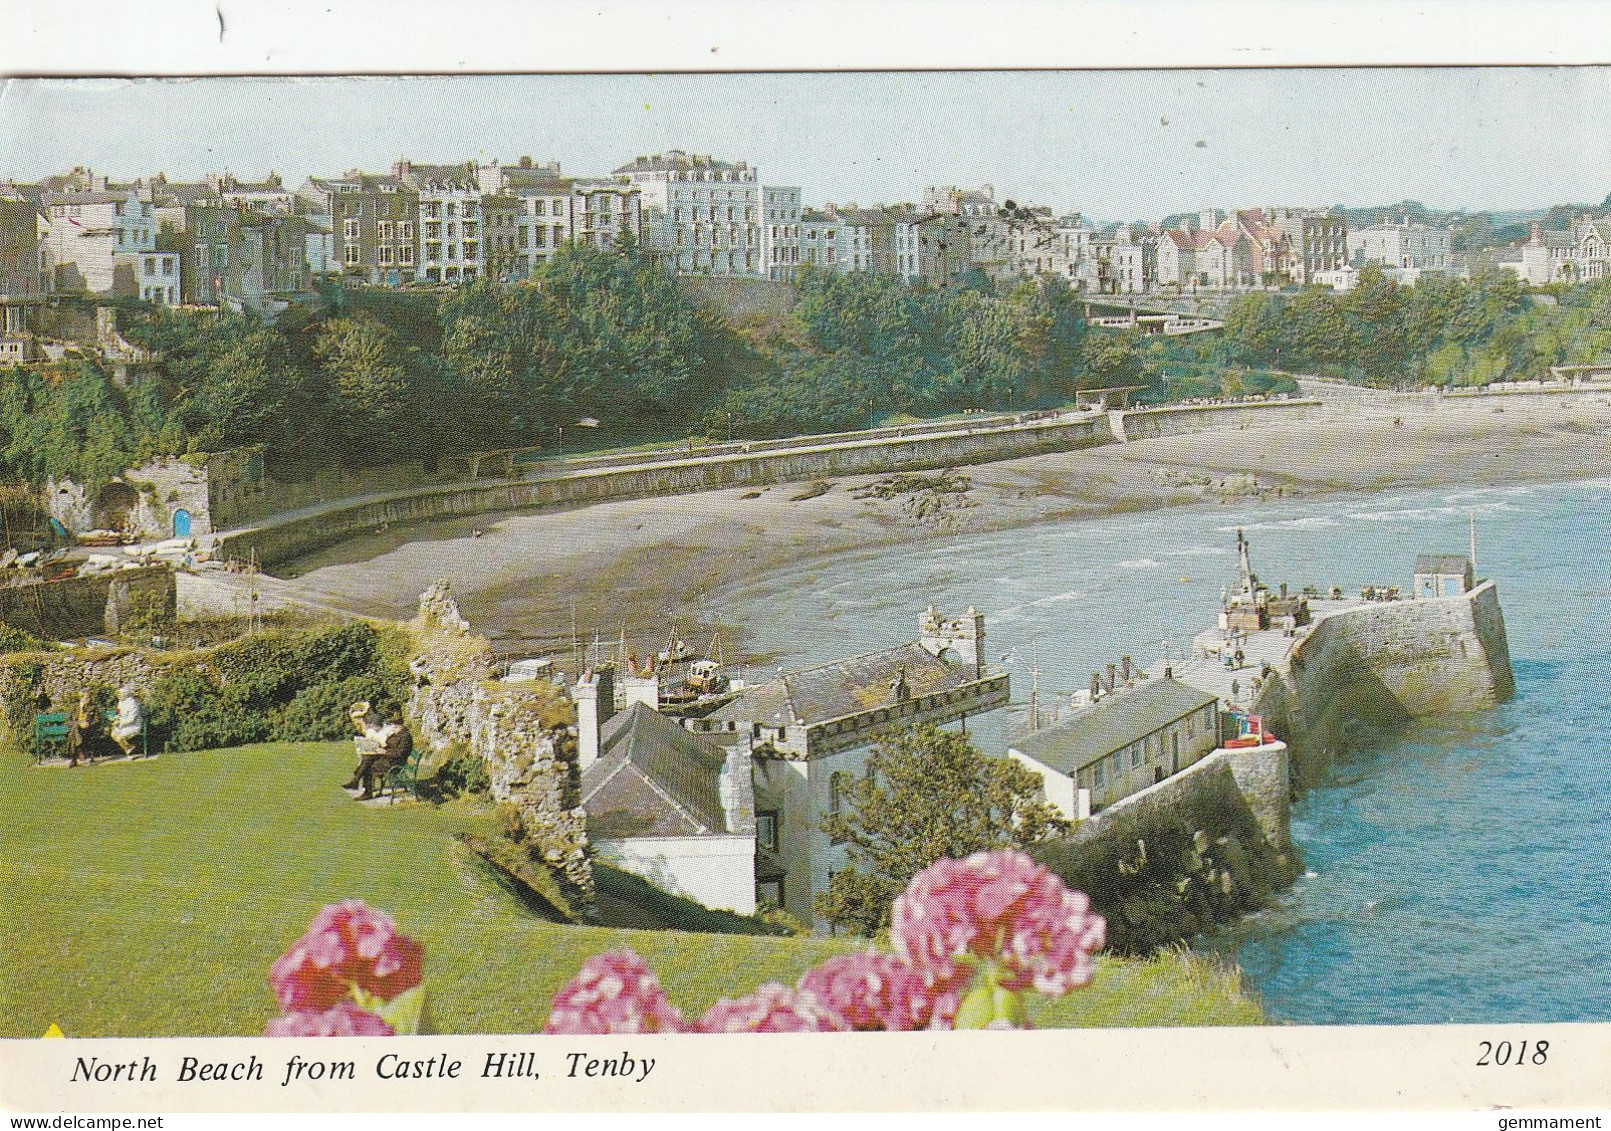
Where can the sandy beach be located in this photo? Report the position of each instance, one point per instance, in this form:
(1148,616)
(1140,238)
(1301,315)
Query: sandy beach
(650,563)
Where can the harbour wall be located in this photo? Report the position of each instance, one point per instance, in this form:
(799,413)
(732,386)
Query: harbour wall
(1381,664)
(1200,848)
(918,448)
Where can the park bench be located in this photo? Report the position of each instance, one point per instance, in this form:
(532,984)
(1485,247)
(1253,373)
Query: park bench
(50,732)
(405,777)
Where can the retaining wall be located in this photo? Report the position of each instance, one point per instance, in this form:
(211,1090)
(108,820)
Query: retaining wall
(1381,664)
(77,606)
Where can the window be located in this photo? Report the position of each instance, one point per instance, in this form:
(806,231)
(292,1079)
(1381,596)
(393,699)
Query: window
(405,230)
(168,266)
(769,893)
(383,230)
(433,231)
(766,829)
(1099,775)
(349,229)
(405,254)
(150,265)
(386,255)
(838,783)
(1138,753)
(539,208)
(352,254)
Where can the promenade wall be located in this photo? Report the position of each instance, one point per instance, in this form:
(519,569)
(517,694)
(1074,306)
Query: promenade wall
(1379,665)
(280,541)
(913,448)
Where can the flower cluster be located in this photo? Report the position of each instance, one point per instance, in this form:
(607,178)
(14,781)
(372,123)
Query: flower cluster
(971,937)
(614,993)
(1003,909)
(339,977)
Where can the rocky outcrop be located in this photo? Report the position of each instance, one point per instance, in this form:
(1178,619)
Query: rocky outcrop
(522,733)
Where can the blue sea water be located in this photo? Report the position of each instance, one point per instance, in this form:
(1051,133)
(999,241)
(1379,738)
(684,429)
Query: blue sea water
(1459,870)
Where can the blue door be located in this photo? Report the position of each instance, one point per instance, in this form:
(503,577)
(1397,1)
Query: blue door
(181,523)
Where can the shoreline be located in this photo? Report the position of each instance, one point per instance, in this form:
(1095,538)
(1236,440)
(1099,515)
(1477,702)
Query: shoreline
(652,563)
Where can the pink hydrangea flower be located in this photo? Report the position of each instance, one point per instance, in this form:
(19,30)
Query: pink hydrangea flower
(873,991)
(348,944)
(345,1020)
(1000,907)
(773,1008)
(614,993)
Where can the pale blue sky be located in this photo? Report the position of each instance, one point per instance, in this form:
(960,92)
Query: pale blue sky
(1096,141)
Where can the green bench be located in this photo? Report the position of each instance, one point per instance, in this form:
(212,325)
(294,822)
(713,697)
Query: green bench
(50,732)
(405,777)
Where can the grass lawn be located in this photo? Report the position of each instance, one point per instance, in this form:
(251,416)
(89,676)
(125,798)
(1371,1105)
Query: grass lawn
(149,898)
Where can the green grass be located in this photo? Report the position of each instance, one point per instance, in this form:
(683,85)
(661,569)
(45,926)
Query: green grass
(149,899)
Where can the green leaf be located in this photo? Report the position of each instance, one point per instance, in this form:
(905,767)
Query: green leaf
(978,1008)
(404,1012)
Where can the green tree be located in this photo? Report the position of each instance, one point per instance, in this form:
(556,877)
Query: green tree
(927,794)
(369,388)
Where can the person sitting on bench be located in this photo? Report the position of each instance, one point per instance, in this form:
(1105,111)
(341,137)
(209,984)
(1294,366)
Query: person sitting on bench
(83,730)
(382,746)
(130,720)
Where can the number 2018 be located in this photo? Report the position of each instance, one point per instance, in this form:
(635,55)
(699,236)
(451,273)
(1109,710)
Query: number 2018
(1504,1053)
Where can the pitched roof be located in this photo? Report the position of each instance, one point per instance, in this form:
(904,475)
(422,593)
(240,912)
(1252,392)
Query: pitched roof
(846,687)
(1442,563)
(1112,723)
(653,778)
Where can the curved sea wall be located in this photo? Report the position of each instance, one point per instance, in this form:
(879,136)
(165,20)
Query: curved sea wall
(1151,423)
(911,448)
(279,541)
(1381,664)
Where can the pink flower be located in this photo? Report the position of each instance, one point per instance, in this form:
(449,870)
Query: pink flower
(345,1020)
(614,993)
(773,1008)
(874,991)
(348,944)
(1001,907)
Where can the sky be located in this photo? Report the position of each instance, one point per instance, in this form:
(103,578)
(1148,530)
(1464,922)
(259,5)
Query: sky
(1112,144)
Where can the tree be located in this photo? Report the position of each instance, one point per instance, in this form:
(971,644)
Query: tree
(927,794)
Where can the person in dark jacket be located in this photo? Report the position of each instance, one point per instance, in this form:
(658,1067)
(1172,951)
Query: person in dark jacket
(382,746)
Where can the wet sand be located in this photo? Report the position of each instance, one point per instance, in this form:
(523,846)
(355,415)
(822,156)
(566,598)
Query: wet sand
(654,562)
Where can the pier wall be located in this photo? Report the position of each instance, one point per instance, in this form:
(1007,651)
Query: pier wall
(1379,665)
(1202,847)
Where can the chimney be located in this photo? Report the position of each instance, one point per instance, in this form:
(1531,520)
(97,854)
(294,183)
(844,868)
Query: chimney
(1169,672)
(1096,687)
(1108,683)
(1124,666)
(595,703)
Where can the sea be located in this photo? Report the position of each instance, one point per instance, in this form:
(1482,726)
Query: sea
(1456,871)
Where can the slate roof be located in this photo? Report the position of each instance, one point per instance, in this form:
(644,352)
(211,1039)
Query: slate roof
(1112,723)
(674,159)
(653,778)
(1442,563)
(845,687)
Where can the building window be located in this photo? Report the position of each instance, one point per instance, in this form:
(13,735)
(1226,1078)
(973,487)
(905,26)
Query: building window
(386,255)
(769,893)
(766,829)
(383,230)
(1138,753)
(349,229)
(405,254)
(352,254)
(1099,774)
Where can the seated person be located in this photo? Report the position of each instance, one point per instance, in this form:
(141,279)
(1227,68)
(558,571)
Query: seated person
(382,746)
(130,720)
(83,730)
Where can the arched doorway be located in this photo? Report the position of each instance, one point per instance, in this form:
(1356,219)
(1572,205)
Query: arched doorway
(115,506)
(181,523)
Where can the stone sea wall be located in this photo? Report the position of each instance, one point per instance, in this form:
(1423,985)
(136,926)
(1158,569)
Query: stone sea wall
(1201,848)
(918,448)
(1381,664)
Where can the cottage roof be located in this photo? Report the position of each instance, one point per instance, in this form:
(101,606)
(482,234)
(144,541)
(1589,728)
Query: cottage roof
(653,778)
(1442,563)
(1112,723)
(846,687)
(50,198)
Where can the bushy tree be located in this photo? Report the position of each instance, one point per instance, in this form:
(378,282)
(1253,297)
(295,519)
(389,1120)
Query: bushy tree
(927,794)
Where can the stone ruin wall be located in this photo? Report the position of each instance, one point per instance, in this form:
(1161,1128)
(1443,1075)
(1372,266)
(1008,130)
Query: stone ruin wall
(531,761)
